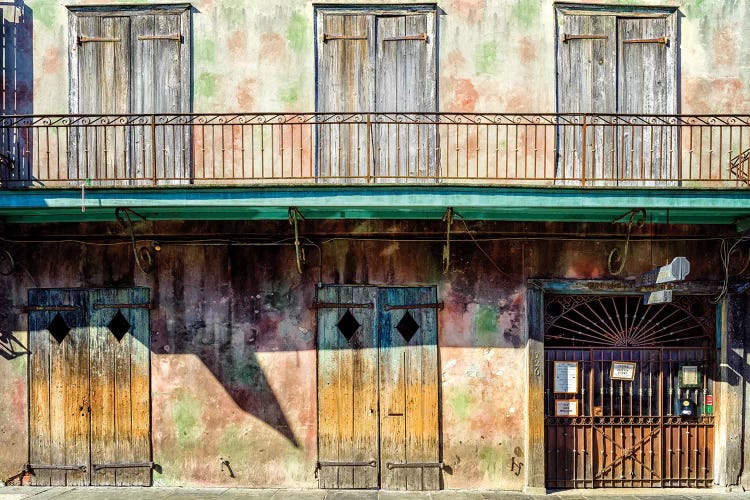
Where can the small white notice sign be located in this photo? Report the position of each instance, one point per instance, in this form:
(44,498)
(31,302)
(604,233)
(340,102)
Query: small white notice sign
(566,407)
(622,370)
(566,377)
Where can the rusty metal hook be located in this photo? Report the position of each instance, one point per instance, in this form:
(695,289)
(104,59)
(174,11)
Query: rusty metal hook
(299,251)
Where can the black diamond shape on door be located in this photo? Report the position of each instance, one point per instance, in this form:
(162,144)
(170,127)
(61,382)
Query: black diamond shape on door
(119,326)
(58,328)
(407,327)
(348,325)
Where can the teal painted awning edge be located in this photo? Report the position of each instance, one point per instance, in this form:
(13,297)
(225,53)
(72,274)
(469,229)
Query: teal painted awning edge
(553,204)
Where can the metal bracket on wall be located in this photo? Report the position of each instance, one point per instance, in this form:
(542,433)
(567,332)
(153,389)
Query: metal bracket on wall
(299,251)
(144,258)
(448,219)
(633,217)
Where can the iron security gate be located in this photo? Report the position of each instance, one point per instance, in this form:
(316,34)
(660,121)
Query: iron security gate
(378,388)
(628,392)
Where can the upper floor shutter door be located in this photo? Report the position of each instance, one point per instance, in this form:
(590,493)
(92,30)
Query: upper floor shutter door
(158,87)
(405,74)
(587,83)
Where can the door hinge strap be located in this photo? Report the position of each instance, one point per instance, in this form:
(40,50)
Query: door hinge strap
(567,37)
(175,36)
(421,36)
(436,305)
(328,36)
(123,306)
(29,309)
(414,465)
(663,39)
(89,39)
(32,467)
(128,465)
(342,305)
(371,463)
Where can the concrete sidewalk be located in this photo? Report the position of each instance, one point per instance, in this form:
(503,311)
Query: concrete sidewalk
(161,493)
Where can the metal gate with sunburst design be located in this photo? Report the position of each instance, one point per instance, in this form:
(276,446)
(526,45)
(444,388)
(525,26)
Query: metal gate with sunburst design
(628,392)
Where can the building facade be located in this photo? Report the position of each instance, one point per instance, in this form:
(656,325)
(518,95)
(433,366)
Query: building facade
(375,245)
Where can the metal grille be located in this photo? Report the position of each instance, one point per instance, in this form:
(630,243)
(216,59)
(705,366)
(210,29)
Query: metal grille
(629,433)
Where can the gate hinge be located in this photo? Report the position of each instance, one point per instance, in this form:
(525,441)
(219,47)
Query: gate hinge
(146,305)
(435,305)
(27,309)
(32,467)
(414,465)
(319,465)
(126,465)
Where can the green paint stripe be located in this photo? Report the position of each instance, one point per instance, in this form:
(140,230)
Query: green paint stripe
(681,206)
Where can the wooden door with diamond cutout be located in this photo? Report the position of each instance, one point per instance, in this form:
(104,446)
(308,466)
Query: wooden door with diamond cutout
(89,386)
(377,388)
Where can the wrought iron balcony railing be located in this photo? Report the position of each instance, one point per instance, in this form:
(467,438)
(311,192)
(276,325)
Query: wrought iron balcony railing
(242,149)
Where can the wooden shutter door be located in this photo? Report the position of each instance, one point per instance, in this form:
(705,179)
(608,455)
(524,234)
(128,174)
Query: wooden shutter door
(59,403)
(647,85)
(103,55)
(345,84)
(160,67)
(347,388)
(406,83)
(409,443)
(586,83)
(120,387)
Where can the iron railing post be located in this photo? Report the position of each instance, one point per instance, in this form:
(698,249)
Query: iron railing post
(369,138)
(153,148)
(583,151)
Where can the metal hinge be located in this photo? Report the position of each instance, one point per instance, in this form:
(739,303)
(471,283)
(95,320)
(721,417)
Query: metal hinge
(662,39)
(414,465)
(102,39)
(341,305)
(28,309)
(126,465)
(176,37)
(421,36)
(567,37)
(123,306)
(328,36)
(319,465)
(32,467)
(436,305)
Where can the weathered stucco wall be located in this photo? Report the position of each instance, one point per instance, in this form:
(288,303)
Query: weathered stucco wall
(233,333)
(493,56)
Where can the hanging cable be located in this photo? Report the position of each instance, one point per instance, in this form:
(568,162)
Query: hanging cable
(633,217)
(299,251)
(466,227)
(448,219)
(143,258)
(725,253)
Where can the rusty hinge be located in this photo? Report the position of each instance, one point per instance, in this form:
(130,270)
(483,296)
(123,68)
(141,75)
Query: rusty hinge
(328,36)
(103,39)
(663,39)
(369,463)
(421,36)
(436,305)
(414,465)
(175,36)
(334,305)
(28,309)
(123,306)
(567,37)
(126,465)
(32,467)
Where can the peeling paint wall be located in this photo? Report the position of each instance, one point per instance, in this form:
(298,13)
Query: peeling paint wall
(233,333)
(493,56)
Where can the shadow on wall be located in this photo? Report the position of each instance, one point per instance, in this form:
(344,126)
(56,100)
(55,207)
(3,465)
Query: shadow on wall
(18,86)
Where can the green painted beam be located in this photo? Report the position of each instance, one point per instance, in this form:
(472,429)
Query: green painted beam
(553,204)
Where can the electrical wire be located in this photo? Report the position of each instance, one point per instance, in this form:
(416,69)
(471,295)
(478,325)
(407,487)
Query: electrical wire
(725,252)
(466,227)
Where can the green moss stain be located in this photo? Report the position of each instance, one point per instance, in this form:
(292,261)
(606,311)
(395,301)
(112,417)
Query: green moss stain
(187,421)
(247,373)
(485,325)
(461,404)
(45,11)
(298,33)
(490,460)
(486,58)
(205,50)
(526,12)
(205,85)
(289,95)
(18,366)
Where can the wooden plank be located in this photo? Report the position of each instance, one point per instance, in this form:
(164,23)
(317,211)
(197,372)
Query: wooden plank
(328,347)
(535,460)
(140,383)
(39,387)
(142,98)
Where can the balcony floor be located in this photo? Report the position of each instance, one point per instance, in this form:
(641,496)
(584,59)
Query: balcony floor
(537,204)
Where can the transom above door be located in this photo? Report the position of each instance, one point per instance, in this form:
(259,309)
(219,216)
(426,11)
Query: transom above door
(378,388)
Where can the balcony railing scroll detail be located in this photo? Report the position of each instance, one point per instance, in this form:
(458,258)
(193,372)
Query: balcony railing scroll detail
(586,150)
